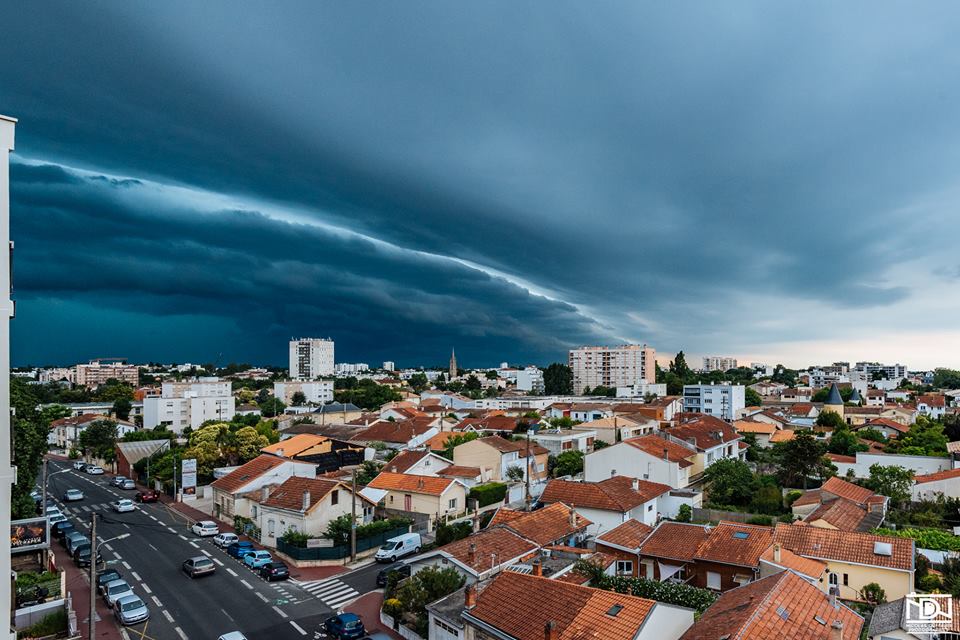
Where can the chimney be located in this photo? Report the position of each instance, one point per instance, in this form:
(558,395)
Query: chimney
(776,552)
(550,631)
(306,500)
(280,452)
(836,631)
(666,456)
(264,493)
(573,517)
(635,483)
(472,552)
(470,596)
(833,600)
(420,483)
(537,568)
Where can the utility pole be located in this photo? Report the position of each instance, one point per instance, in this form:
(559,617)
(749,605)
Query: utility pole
(92,623)
(527,497)
(353,519)
(43,497)
(174,477)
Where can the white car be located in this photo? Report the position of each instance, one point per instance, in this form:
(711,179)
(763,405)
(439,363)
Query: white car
(95,470)
(115,590)
(205,528)
(233,635)
(79,465)
(72,495)
(123,506)
(224,540)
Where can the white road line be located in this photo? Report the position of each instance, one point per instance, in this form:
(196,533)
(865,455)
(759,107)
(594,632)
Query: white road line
(153,517)
(135,576)
(166,614)
(145,587)
(126,565)
(156,601)
(194,545)
(109,548)
(153,547)
(336,602)
(231,572)
(180,633)
(218,562)
(123,633)
(246,584)
(172,530)
(277,609)
(263,597)
(206,553)
(298,628)
(117,556)
(182,537)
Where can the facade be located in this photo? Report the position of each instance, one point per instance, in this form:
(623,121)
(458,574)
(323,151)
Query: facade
(611,502)
(656,458)
(189,404)
(235,493)
(65,432)
(530,379)
(642,390)
(723,401)
(719,363)
(7,471)
(97,372)
(893,372)
(311,358)
(316,392)
(556,441)
(494,456)
(623,366)
(942,483)
(389,365)
(433,497)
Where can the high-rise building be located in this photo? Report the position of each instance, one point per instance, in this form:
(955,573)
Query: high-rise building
(311,358)
(622,366)
(189,404)
(7,471)
(389,365)
(718,400)
(719,363)
(882,371)
(97,372)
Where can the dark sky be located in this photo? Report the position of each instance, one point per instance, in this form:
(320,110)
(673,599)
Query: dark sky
(767,180)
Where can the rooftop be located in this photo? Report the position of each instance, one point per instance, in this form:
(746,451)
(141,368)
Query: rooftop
(629,535)
(613,494)
(846,546)
(412,483)
(544,526)
(735,543)
(675,540)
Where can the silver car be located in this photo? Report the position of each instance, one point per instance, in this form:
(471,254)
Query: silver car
(116,590)
(130,610)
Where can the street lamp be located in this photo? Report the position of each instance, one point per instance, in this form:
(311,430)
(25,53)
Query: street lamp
(43,504)
(92,623)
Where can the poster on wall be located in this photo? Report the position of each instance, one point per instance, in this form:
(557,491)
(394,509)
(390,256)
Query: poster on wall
(29,534)
(188,473)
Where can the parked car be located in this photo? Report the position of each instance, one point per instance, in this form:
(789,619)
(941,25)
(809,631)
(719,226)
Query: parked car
(346,626)
(148,495)
(74,539)
(233,635)
(37,495)
(81,555)
(72,495)
(256,559)
(398,547)
(224,540)
(274,570)
(62,528)
(79,465)
(116,589)
(94,470)
(53,511)
(130,610)
(105,577)
(57,519)
(127,485)
(239,549)
(198,566)
(384,575)
(116,481)
(205,528)
(123,506)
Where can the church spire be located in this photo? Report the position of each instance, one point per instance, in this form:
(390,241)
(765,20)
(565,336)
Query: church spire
(453,364)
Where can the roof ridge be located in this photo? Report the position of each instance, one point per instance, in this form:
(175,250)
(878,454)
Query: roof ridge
(763,602)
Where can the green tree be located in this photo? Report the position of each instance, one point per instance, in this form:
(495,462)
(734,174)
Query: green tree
(99,439)
(557,380)
(679,366)
(925,438)
(298,399)
(844,442)
(491,374)
(946,379)
(802,458)
(122,408)
(752,398)
(271,407)
(29,444)
(367,394)
(568,463)
(729,482)
(419,382)
(830,419)
(684,513)
(515,473)
(247,444)
(873,593)
(472,383)
(894,482)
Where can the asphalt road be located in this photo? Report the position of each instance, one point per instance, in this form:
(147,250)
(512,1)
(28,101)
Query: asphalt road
(233,598)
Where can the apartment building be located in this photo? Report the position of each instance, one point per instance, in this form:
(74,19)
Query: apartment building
(719,363)
(189,404)
(530,379)
(315,392)
(97,372)
(887,371)
(719,400)
(311,358)
(622,366)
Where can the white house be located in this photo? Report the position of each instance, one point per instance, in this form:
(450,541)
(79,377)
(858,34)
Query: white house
(559,440)
(315,392)
(65,432)
(652,457)
(940,483)
(920,465)
(720,400)
(235,493)
(189,404)
(932,405)
(530,379)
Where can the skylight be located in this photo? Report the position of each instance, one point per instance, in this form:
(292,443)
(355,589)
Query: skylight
(741,535)
(783,613)
(883,548)
(614,610)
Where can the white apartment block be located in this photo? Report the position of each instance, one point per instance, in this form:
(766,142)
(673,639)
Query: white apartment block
(623,366)
(97,372)
(311,358)
(343,369)
(316,392)
(530,379)
(719,400)
(895,372)
(719,363)
(642,390)
(189,404)
(389,365)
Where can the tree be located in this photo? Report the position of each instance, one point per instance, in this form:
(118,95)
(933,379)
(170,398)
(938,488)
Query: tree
(679,366)
(873,593)
(419,382)
(247,443)
(684,513)
(946,379)
(30,431)
(802,458)
(122,408)
(830,419)
(472,383)
(729,482)
(367,394)
(844,442)
(369,470)
(557,380)
(298,399)
(271,407)
(515,473)
(568,463)
(752,398)
(491,374)
(99,439)
(925,438)
(894,482)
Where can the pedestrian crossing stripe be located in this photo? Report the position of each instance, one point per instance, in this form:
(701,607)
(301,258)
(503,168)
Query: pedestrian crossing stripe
(331,592)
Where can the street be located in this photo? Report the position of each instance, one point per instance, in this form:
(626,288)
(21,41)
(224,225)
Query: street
(233,598)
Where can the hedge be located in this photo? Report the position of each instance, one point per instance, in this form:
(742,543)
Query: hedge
(936,539)
(670,592)
(490,493)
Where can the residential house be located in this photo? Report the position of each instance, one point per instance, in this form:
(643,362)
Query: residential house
(932,485)
(839,504)
(336,413)
(494,456)
(669,552)
(729,557)
(406,434)
(431,497)
(580,411)
(555,524)
(248,410)
(768,389)
(556,441)
(932,405)
(889,428)
(530,607)
(478,556)
(760,430)
(782,606)
(326,453)
(712,438)
(802,410)
(853,559)
(469,476)
(623,543)
(796,394)
(656,458)
(613,501)
(904,414)
(306,505)
(619,427)
(782,435)
(777,559)
(488,425)
(236,492)
(65,432)
(875,398)
(417,462)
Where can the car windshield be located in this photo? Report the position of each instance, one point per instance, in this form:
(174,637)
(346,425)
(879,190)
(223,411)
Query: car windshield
(131,605)
(390,546)
(203,563)
(352,624)
(118,588)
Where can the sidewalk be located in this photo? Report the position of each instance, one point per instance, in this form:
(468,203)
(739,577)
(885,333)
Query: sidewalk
(368,607)
(78,586)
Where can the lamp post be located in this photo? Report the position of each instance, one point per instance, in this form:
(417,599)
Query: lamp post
(92,622)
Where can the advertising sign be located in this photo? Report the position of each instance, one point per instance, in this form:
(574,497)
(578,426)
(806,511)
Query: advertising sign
(29,534)
(188,473)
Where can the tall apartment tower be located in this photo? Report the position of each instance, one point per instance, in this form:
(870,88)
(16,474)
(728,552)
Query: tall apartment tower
(7,471)
(719,363)
(311,358)
(623,366)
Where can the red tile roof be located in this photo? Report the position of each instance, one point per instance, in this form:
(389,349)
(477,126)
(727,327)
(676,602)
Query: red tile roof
(939,475)
(675,540)
(613,494)
(489,548)
(836,457)
(932,400)
(790,560)
(402,462)
(459,471)
(848,490)
(629,535)
(735,543)
(845,546)
(544,526)
(782,606)
(395,432)
(706,431)
(840,513)
(522,606)
(884,422)
(659,447)
(410,483)
(289,494)
(488,423)
(244,474)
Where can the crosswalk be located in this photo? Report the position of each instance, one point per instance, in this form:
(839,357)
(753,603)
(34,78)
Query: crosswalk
(332,592)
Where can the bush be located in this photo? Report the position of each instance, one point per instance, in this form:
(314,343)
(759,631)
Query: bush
(684,513)
(761,520)
(670,592)
(490,493)
(52,624)
(930,582)
(447,533)
(74,454)
(936,539)
(295,538)
(874,593)
(338,530)
(792,496)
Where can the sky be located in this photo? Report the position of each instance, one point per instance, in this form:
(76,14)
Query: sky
(203,181)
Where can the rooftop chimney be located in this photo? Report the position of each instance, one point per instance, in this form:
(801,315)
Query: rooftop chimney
(635,484)
(836,631)
(280,452)
(776,552)
(306,500)
(420,483)
(472,552)
(666,455)
(264,493)
(833,600)
(573,517)
(470,596)
(550,631)
(537,568)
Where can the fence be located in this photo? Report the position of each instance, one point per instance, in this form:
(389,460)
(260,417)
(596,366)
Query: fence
(715,515)
(337,552)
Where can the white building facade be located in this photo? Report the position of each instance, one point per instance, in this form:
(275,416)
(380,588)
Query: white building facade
(315,392)
(311,358)
(530,379)
(622,366)
(642,390)
(719,400)
(719,363)
(189,404)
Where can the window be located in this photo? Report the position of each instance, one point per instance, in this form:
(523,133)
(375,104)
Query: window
(566,445)
(713,580)
(271,528)
(253,511)
(452,504)
(624,567)
(649,508)
(335,496)
(832,578)
(846,581)
(440,624)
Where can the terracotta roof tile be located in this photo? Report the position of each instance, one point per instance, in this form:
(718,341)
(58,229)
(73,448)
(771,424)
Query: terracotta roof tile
(292,446)
(490,548)
(884,422)
(289,494)
(244,474)
(845,546)
(836,457)
(841,513)
(706,431)
(459,471)
(402,462)
(395,432)
(752,426)
(939,475)
(629,535)
(783,435)
(735,543)
(659,447)
(613,494)
(848,490)
(790,560)
(544,526)
(410,483)
(675,540)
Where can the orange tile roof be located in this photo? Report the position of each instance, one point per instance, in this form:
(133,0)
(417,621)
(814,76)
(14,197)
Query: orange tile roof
(848,490)
(292,446)
(459,471)
(289,494)
(613,494)
(675,540)
(735,543)
(939,475)
(783,435)
(401,462)
(395,432)
(522,606)
(841,513)
(659,447)
(884,422)
(490,548)
(629,535)
(410,483)
(496,422)
(752,426)
(845,546)
(782,606)
(933,400)
(836,457)
(790,560)
(544,526)
(242,475)
(439,441)
(706,431)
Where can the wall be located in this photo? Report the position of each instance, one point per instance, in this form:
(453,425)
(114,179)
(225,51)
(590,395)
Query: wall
(666,622)
(727,573)
(478,454)
(920,465)
(896,584)
(630,461)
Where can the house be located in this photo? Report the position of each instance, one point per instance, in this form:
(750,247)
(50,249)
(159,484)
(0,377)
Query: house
(853,559)
(782,606)
(236,492)
(580,411)
(669,552)
(326,453)
(899,413)
(495,456)
(656,458)
(932,405)
(336,413)
(248,410)
(556,441)
(556,524)
(623,543)
(434,498)
(712,438)
(130,453)
(417,462)
(488,425)
(839,504)
(306,505)
(613,501)
(664,409)
(776,559)
(875,398)
(730,555)
(802,410)
(398,412)
(889,428)
(760,430)
(530,607)
(617,428)
(782,435)
(406,434)
(469,476)
(894,620)
(65,432)
(480,555)
(931,485)
(796,394)
(767,389)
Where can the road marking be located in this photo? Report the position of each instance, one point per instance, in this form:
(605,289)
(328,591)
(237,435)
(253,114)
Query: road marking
(206,553)
(153,517)
(218,562)
(231,572)
(180,633)
(135,576)
(194,545)
(153,547)
(183,537)
(109,548)
(246,584)
(263,597)
(126,565)
(145,587)
(172,530)
(166,614)
(277,609)
(156,601)
(298,628)
(86,508)
(123,633)
(118,556)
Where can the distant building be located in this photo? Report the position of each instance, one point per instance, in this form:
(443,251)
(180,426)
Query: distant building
(311,358)
(719,363)
(389,365)
(315,392)
(343,369)
(97,372)
(719,400)
(895,372)
(642,390)
(453,364)
(189,404)
(623,366)
(530,379)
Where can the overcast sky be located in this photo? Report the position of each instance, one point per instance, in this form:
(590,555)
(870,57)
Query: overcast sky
(773,181)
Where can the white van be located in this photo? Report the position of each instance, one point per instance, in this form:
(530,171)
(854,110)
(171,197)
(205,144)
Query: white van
(398,547)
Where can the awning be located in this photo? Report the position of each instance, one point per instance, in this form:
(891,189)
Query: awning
(373,495)
(668,570)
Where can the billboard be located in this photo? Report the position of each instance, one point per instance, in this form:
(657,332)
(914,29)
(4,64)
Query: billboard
(188,474)
(29,534)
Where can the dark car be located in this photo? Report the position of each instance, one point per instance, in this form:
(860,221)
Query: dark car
(240,549)
(62,528)
(402,569)
(148,495)
(274,571)
(346,626)
(198,566)
(81,555)
(108,575)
